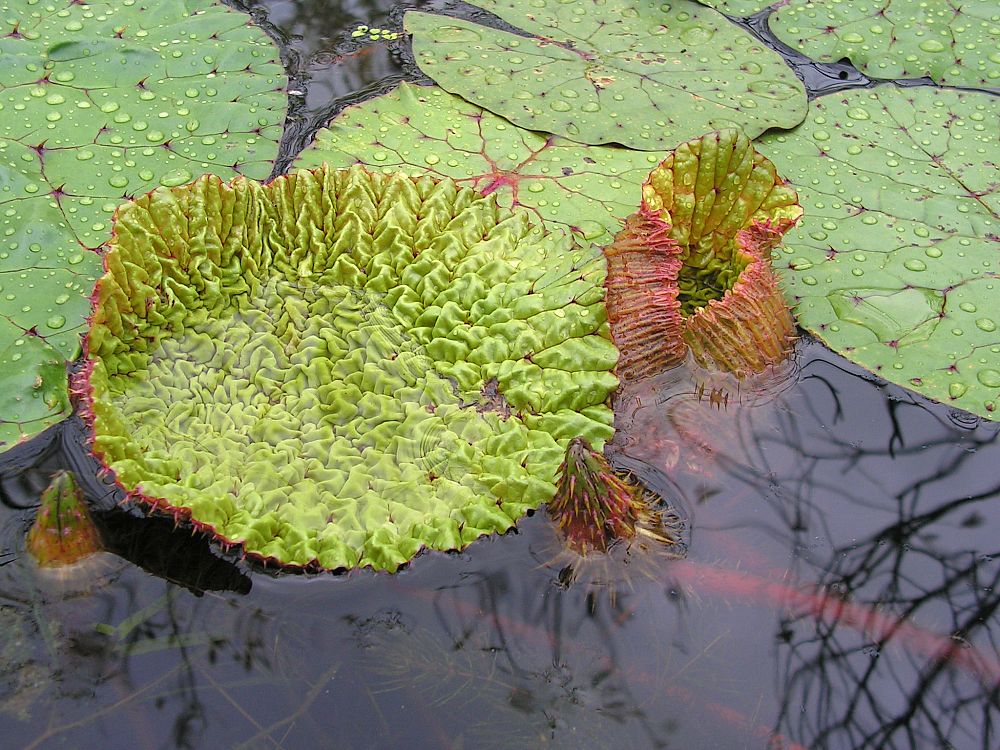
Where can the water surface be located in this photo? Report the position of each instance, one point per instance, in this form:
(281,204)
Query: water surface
(839,589)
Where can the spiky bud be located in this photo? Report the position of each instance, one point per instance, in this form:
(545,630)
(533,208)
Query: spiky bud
(63,532)
(593,507)
(691,269)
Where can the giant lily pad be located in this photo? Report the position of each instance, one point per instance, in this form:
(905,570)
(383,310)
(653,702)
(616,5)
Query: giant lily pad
(738,7)
(100,102)
(641,74)
(422,129)
(896,260)
(341,368)
(952,43)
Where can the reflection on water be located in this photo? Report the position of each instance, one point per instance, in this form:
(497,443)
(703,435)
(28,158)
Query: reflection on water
(839,592)
(840,588)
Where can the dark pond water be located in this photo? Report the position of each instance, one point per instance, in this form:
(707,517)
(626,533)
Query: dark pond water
(839,591)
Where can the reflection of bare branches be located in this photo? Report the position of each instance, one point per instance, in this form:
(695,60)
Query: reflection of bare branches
(304,707)
(920,482)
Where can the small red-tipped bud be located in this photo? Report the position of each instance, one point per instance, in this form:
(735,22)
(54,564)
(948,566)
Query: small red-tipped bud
(593,507)
(63,532)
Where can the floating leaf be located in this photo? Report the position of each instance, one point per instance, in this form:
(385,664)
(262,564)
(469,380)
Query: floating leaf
(690,270)
(895,262)
(100,102)
(644,75)
(952,43)
(738,7)
(33,392)
(340,368)
(421,130)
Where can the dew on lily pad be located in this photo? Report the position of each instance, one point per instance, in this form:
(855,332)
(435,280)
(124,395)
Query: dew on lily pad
(919,203)
(952,43)
(644,75)
(566,185)
(738,7)
(90,96)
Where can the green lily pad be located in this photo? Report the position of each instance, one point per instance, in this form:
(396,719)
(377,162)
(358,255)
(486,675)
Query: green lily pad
(339,368)
(100,102)
(644,75)
(423,129)
(952,43)
(33,392)
(738,7)
(895,262)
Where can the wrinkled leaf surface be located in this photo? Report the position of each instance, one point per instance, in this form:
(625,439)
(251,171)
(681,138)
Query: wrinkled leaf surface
(100,102)
(338,368)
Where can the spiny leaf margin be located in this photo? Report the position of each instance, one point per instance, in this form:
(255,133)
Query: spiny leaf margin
(339,369)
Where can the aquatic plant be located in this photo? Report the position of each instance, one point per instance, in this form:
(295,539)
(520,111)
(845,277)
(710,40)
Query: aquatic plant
(593,507)
(690,270)
(339,368)
(644,75)
(954,45)
(99,102)
(63,532)
(584,190)
(894,264)
(373,33)
(738,7)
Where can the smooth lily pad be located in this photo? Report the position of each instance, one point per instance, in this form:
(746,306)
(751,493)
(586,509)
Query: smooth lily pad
(952,43)
(423,129)
(895,262)
(645,75)
(33,393)
(738,7)
(341,368)
(101,102)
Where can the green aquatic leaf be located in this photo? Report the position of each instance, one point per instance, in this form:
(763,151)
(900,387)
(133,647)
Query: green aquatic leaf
(738,7)
(33,393)
(895,262)
(425,130)
(340,368)
(957,44)
(100,102)
(645,75)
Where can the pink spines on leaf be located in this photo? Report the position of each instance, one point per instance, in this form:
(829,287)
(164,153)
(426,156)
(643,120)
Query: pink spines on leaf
(643,310)
(593,507)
